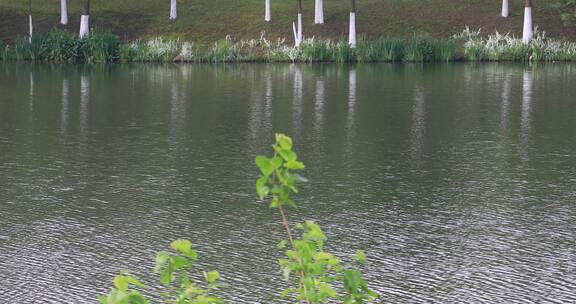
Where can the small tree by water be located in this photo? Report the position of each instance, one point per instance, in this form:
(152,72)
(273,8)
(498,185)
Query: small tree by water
(315,275)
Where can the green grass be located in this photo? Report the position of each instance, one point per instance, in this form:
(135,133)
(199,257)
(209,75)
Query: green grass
(206,22)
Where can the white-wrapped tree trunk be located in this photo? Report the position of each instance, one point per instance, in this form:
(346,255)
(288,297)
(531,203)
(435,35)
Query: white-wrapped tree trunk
(298,35)
(85,19)
(30,29)
(63,12)
(298,31)
(268,15)
(173,10)
(528,31)
(505,8)
(319,12)
(352,29)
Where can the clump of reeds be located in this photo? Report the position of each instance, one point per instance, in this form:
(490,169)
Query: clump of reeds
(64,47)
(61,46)
(507,47)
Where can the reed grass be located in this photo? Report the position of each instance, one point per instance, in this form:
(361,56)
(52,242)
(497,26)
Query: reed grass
(507,47)
(61,46)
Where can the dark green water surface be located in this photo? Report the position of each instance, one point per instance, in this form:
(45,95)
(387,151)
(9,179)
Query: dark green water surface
(458,180)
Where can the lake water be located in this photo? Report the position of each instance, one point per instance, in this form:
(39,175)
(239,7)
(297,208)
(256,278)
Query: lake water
(459,180)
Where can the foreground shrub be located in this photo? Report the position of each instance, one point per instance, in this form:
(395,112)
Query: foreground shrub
(317,276)
(173,270)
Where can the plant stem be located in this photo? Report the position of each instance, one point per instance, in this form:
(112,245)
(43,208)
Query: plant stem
(287,227)
(289,232)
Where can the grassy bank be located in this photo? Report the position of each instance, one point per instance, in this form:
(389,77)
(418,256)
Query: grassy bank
(62,47)
(208,21)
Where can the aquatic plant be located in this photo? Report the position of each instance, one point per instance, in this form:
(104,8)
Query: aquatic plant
(312,50)
(99,48)
(342,52)
(507,47)
(62,46)
(158,50)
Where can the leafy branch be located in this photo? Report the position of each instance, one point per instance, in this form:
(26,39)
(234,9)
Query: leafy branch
(314,270)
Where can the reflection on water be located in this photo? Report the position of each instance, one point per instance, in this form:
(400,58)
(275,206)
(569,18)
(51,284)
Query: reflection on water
(459,180)
(65,105)
(350,124)
(505,104)
(525,119)
(418,128)
(297,103)
(84,105)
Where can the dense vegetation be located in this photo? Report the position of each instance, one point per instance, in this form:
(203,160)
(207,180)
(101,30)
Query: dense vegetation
(61,46)
(314,276)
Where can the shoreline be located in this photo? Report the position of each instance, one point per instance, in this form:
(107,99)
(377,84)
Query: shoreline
(468,46)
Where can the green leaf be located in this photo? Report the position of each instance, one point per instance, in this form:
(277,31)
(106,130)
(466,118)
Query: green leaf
(161,259)
(166,277)
(275,203)
(180,262)
(265,165)
(282,244)
(327,291)
(182,246)
(261,188)
(284,141)
(360,256)
(295,165)
(277,163)
(352,281)
(121,282)
(212,276)
(134,281)
(136,297)
(192,255)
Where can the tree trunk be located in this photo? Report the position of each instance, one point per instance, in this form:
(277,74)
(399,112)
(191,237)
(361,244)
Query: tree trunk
(268,16)
(319,12)
(505,8)
(173,10)
(63,12)
(30,21)
(298,30)
(528,31)
(85,19)
(352,30)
